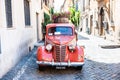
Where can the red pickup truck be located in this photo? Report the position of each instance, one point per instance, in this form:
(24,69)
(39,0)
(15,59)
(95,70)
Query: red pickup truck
(60,49)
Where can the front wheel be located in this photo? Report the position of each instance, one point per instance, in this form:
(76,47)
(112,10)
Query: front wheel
(42,68)
(79,67)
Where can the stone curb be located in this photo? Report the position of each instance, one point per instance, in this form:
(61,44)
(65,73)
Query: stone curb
(109,46)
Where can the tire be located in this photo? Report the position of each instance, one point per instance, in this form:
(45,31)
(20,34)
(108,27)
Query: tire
(42,68)
(79,67)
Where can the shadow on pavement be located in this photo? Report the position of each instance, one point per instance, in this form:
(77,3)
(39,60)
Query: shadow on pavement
(109,46)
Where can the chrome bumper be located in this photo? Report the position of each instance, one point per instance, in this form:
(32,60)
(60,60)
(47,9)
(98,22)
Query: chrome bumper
(60,63)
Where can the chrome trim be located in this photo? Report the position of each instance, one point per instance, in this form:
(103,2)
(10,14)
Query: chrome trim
(60,63)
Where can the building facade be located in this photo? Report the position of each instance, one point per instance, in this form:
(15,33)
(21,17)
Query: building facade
(20,28)
(83,6)
(66,5)
(101,19)
(47,5)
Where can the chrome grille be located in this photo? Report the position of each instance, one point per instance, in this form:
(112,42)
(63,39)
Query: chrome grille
(60,51)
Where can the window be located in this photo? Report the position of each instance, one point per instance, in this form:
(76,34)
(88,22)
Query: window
(8,8)
(102,15)
(111,10)
(86,22)
(83,5)
(46,3)
(27,12)
(60,30)
(41,4)
(89,2)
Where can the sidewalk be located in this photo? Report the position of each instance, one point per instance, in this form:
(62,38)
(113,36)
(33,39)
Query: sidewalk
(100,40)
(37,44)
(98,49)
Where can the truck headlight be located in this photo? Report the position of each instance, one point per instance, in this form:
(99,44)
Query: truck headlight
(49,47)
(71,47)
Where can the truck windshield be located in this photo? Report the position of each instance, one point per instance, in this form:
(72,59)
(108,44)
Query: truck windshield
(58,30)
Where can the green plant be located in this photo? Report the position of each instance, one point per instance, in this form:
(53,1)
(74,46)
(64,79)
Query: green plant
(46,21)
(51,11)
(74,16)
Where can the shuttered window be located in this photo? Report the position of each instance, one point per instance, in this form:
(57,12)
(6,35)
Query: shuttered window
(8,7)
(27,12)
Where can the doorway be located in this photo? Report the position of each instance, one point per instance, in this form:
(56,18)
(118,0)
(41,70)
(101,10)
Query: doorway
(101,18)
(91,24)
(37,26)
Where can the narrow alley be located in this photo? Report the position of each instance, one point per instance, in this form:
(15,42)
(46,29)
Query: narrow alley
(84,34)
(100,64)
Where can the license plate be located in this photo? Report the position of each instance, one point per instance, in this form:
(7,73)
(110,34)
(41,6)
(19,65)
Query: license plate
(60,67)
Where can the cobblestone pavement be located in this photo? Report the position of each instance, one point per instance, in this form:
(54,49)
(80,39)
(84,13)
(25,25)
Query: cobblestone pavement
(100,64)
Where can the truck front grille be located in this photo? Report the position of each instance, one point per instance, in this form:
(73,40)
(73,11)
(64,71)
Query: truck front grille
(60,51)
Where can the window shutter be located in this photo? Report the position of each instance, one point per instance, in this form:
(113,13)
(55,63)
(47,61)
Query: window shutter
(27,12)
(8,8)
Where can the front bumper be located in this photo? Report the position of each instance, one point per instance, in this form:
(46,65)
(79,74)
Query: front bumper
(60,63)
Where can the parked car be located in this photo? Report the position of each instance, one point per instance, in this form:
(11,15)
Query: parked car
(60,49)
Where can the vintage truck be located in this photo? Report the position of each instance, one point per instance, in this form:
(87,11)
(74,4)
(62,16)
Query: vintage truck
(60,48)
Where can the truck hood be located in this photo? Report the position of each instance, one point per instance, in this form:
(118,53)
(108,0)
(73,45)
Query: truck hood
(60,39)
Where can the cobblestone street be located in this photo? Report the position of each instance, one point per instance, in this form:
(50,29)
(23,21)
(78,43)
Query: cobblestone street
(100,64)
